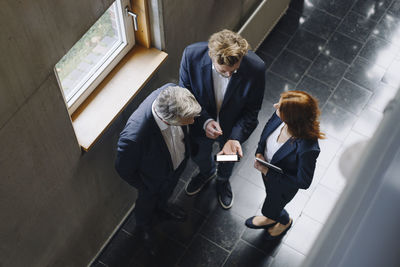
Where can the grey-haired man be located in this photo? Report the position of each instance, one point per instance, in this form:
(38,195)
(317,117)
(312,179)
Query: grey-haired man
(152,152)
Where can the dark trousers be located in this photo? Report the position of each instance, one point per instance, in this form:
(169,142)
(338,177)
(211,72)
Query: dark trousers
(150,201)
(277,198)
(204,158)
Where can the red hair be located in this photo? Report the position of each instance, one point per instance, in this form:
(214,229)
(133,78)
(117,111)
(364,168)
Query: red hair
(300,112)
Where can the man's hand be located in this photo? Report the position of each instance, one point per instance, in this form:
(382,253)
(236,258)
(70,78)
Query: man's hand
(232,147)
(263,169)
(213,130)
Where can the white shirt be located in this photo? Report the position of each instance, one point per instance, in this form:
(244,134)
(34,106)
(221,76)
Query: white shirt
(220,84)
(272,144)
(173,137)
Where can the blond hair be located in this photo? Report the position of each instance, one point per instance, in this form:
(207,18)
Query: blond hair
(227,47)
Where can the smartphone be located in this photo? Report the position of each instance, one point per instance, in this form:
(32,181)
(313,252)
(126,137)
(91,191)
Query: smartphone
(269,165)
(227,158)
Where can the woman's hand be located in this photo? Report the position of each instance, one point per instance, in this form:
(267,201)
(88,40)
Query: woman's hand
(263,169)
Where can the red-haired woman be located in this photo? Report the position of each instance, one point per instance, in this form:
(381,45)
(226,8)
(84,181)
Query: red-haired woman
(289,141)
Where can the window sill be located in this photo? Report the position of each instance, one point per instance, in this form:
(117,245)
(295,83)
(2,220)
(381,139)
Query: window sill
(114,93)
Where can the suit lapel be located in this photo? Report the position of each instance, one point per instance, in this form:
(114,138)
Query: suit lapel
(206,73)
(234,82)
(186,140)
(272,125)
(158,137)
(288,147)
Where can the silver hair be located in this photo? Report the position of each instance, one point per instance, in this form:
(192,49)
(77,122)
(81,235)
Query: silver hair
(175,103)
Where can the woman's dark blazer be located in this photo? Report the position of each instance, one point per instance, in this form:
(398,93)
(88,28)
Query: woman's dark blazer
(296,157)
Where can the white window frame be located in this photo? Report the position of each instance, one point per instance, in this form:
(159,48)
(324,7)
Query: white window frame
(87,86)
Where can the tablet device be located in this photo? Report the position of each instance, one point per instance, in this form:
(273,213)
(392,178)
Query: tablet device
(227,158)
(269,165)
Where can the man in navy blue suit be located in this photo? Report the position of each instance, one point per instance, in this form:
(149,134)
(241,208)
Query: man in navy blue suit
(152,152)
(228,81)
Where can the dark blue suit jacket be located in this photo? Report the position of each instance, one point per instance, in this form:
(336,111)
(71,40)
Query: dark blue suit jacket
(143,156)
(243,97)
(296,157)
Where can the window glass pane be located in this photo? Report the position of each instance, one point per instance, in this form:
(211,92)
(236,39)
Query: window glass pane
(89,53)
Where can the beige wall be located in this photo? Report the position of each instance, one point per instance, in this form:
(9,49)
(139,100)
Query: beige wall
(58,205)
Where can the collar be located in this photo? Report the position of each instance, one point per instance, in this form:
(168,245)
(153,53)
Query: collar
(219,74)
(162,125)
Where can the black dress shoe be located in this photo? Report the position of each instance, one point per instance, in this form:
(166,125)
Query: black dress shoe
(173,212)
(225,194)
(249,223)
(197,183)
(270,237)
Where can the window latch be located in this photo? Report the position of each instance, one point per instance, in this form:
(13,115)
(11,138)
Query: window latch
(130,13)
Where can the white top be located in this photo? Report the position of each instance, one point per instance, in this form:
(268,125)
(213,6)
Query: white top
(272,144)
(173,137)
(220,84)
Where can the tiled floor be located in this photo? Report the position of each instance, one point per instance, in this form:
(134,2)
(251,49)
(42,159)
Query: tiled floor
(347,54)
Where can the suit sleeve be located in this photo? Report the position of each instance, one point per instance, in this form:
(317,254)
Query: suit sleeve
(305,171)
(128,161)
(185,81)
(248,120)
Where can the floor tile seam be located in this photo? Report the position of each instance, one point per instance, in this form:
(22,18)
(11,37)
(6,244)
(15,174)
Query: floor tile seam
(337,194)
(265,53)
(367,137)
(215,243)
(102,263)
(321,52)
(295,53)
(312,33)
(335,30)
(306,71)
(369,62)
(365,89)
(346,70)
(342,109)
(253,183)
(286,244)
(341,18)
(303,57)
(372,34)
(325,219)
(179,259)
(163,234)
(383,39)
(311,219)
(358,40)
(381,66)
(126,232)
(375,20)
(237,214)
(352,38)
(318,80)
(233,249)
(329,164)
(284,47)
(258,249)
(374,108)
(386,12)
(284,78)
